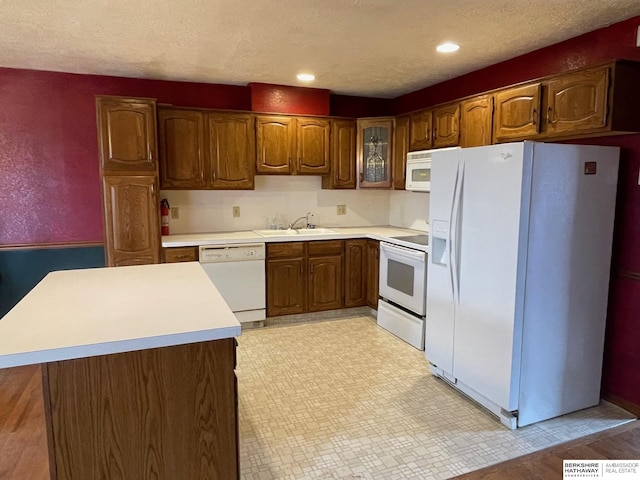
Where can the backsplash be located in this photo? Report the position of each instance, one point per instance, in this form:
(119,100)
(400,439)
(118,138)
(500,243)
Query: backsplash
(288,198)
(409,209)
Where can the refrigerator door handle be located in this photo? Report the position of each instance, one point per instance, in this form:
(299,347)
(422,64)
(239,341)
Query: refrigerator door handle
(450,238)
(455,228)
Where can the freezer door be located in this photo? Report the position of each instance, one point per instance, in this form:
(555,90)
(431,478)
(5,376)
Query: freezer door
(440,307)
(488,311)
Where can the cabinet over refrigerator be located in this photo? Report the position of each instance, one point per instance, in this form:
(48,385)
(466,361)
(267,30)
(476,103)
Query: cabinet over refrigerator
(517,282)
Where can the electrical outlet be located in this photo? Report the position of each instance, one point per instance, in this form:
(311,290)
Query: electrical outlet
(342,209)
(236,211)
(175,213)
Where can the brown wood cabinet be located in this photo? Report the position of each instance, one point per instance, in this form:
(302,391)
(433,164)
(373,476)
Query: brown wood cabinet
(577,101)
(292,145)
(312,146)
(274,144)
(127,134)
(202,149)
(517,112)
(446,125)
(420,133)
(325,275)
(373,267)
(355,273)
(132,222)
(127,145)
(343,156)
(304,277)
(180,254)
(476,121)
(182,149)
(401,147)
(286,278)
(375,152)
(138,415)
(232,151)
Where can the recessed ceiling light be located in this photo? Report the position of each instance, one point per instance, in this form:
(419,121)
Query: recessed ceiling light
(306,77)
(447,47)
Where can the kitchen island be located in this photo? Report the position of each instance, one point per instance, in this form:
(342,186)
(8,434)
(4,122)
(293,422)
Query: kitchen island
(138,371)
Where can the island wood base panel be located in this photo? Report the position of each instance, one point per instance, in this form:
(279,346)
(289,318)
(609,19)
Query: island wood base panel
(163,414)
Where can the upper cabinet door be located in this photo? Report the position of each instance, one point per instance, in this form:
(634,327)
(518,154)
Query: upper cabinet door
(420,130)
(476,121)
(274,144)
(401,147)
(313,154)
(375,151)
(232,151)
(446,126)
(182,149)
(578,101)
(517,112)
(127,134)
(343,156)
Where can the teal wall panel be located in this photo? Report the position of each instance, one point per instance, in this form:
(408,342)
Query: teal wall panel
(21,270)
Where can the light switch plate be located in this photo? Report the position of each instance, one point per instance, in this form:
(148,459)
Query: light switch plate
(175,213)
(236,211)
(342,209)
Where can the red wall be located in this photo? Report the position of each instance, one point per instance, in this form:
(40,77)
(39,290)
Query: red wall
(621,375)
(286,99)
(49,182)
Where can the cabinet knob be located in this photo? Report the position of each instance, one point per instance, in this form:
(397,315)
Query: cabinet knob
(534,114)
(549,109)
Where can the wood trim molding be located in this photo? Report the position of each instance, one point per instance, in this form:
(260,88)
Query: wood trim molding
(627,274)
(40,246)
(622,403)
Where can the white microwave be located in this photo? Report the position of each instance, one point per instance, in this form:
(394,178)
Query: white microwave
(418,177)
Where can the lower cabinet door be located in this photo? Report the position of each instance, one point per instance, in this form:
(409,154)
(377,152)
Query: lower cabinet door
(325,283)
(286,286)
(355,277)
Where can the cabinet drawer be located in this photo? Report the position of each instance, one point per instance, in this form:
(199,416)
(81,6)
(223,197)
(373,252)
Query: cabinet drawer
(325,247)
(180,254)
(285,250)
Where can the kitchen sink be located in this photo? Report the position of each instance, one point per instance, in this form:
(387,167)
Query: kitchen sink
(294,232)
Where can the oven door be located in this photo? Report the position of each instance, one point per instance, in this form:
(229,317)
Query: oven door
(403,276)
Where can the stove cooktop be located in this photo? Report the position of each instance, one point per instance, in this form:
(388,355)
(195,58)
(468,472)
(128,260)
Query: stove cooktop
(418,239)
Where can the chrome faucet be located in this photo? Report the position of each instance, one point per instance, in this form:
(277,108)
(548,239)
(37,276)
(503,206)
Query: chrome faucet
(306,218)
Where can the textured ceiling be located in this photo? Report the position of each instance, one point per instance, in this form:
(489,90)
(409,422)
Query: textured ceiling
(357,47)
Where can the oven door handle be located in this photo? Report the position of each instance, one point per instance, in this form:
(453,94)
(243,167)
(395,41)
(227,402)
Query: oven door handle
(397,250)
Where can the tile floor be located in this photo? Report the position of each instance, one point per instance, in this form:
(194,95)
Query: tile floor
(344,399)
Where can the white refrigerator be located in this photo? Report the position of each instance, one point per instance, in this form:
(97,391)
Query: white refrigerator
(517,280)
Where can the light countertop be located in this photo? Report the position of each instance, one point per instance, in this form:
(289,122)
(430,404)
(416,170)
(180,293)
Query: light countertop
(98,311)
(382,233)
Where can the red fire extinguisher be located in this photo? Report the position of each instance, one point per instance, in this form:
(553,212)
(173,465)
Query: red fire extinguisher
(164,216)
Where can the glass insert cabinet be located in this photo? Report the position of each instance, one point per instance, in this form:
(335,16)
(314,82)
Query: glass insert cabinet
(375,149)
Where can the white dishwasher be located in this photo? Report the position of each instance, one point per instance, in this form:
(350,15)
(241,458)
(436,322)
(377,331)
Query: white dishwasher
(237,271)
